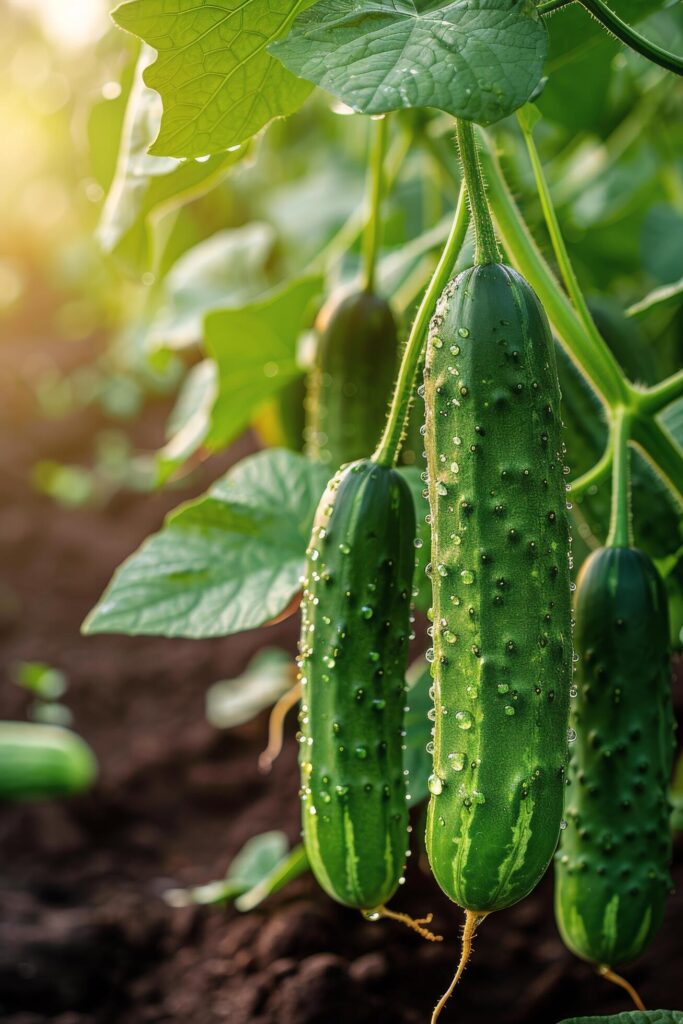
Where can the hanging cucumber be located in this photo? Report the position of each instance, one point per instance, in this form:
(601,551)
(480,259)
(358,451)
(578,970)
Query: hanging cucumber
(42,761)
(353,657)
(351,382)
(611,872)
(502,653)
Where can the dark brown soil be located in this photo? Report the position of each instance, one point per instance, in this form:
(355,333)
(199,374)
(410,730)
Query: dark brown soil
(85,937)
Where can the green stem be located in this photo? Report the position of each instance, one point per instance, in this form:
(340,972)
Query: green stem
(628,35)
(661,450)
(601,350)
(656,398)
(353,227)
(375,188)
(550,6)
(389,447)
(610,385)
(620,535)
(595,475)
(486,247)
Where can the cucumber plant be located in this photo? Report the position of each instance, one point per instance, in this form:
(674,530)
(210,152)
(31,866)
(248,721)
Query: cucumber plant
(497,482)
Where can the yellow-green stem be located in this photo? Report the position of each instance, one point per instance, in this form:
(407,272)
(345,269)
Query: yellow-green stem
(486,247)
(620,535)
(375,189)
(389,447)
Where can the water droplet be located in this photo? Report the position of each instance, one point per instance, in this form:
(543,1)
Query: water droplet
(563,824)
(509,710)
(450,637)
(417,543)
(435,785)
(573,691)
(571,735)
(472,692)
(341,790)
(442,569)
(457,761)
(455,350)
(441,489)
(455,468)
(503,688)
(464,719)
(361,753)
(466,576)
(463,332)
(366,611)
(345,548)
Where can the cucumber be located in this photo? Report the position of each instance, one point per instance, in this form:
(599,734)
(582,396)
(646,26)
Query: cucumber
(352,378)
(352,659)
(611,871)
(502,653)
(39,761)
(280,422)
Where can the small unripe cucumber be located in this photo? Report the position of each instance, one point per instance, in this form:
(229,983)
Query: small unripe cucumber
(39,761)
(611,871)
(502,652)
(352,379)
(353,657)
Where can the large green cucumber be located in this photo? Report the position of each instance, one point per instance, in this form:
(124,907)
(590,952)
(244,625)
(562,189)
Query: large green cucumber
(353,657)
(352,378)
(502,652)
(611,871)
(39,761)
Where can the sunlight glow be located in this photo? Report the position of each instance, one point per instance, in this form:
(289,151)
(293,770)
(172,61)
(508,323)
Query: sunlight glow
(71,23)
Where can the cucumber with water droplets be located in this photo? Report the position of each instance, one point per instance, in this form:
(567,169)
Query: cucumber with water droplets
(352,379)
(352,657)
(502,653)
(611,871)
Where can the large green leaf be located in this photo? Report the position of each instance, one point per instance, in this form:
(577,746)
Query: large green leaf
(227,269)
(218,83)
(477,59)
(189,421)
(145,187)
(632,1017)
(255,351)
(227,562)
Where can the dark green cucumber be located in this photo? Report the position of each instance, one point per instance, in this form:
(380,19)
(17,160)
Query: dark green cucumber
(39,761)
(352,379)
(353,656)
(502,654)
(611,871)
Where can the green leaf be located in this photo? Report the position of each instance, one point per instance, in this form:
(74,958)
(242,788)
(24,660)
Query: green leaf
(145,187)
(254,863)
(477,59)
(232,702)
(43,680)
(255,349)
(289,868)
(218,83)
(661,243)
(227,269)
(418,730)
(632,1017)
(229,561)
(189,421)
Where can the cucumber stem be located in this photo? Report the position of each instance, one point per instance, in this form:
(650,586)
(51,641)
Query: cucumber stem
(620,535)
(389,447)
(616,979)
(656,398)
(628,35)
(562,256)
(416,924)
(486,247)
(473,919)
(375,191)
(276,723)
(550,6)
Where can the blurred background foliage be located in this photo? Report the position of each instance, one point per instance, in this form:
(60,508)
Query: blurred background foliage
(110,260)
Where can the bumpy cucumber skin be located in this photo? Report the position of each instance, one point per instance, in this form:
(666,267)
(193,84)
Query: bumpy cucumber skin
(611,871)
(353,657)
(500,578)
(352,379)
(40,761)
